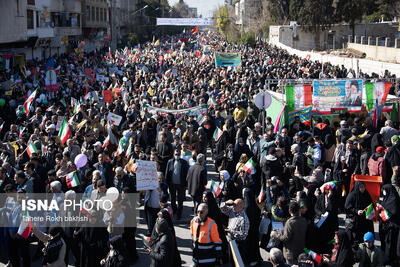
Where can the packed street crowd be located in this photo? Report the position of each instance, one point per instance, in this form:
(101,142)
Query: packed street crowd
(280,190)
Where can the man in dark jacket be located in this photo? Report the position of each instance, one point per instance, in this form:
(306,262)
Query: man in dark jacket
(105,169)
(175,174)
(164,151)
(362,166)
(270,165)
(197,180)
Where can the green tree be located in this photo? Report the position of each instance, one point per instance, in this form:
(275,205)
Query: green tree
(351,11)
(248,38)
(295,7)
(316,15)
(223,19)
(279,10)
(386,8)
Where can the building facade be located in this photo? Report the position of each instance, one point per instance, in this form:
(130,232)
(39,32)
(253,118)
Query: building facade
(40,28)
(95,24)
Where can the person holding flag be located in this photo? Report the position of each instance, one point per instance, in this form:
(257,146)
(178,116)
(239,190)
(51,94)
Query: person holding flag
(18,244)
(356,203)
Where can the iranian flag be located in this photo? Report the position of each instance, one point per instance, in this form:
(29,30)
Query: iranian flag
(195,30)
(1,126)
(72,180)
(316,257)
(383,213)
(25,227)
(128,151)
(261,195)
(106,141)
(215,188)
(298,96)
(217,134)
(65,132)
(146,240)
(31,149)
(370,212)
(121,145)
(376,93)
(28,102)
(250,166)
(21,130)
(51,108)
(212,102)
(328,185)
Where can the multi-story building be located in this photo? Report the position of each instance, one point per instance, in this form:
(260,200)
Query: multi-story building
(246,13)
(95,24)
(40,28)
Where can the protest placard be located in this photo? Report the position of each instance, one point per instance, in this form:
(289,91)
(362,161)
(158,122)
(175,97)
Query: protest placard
(146,175)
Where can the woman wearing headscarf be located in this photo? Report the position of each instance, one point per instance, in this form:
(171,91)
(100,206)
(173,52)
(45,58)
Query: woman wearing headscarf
(377,140)
(242,161)
(356,203)
(327,204)
(229,190)
(228,160)
(220,219)
(164,214)
(253,213)
(160,248)
(342,253)
(116,257)
(220,148)
(329,150)
(242,148)
(389,223)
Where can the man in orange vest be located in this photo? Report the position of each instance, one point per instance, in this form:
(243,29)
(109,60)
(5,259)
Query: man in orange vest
(206,240)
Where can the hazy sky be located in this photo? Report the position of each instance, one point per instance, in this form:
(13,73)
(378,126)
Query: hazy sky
(204,7)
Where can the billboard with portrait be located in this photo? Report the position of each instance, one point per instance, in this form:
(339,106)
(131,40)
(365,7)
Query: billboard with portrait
(328,94)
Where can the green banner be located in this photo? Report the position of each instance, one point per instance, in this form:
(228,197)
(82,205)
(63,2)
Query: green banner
(228,59)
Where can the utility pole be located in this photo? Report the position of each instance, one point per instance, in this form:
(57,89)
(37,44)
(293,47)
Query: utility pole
(113,26)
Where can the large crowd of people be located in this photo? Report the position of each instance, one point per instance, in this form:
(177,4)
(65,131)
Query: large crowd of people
(281,191)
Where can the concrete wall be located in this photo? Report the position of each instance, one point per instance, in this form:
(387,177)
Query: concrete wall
(364,65)
(381,53)
(13,23)
(335,37)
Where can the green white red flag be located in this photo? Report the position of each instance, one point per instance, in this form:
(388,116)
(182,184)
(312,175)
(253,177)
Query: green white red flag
(72,180)
(29,101)
(298,96)
(250,166)
(376,93)
(217,134)
(316,257)
(25,226)
(31,149)
(370,212)
(383,213)
(65,132)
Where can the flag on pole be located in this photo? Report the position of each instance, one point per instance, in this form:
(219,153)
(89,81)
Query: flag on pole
(72,180)
(316,257)
(65,132)
(51,108)
(128,151)
(370,212)
(1,126)
(25,226)
(376,93)
(28,102)
(298,96)
(250,166)
(195,30)
(121,145)
(217,134)
(215,188)
(31,149)
(261,195)
(383,213)
(87,213)
(63,102)
(157,43)
(21,130)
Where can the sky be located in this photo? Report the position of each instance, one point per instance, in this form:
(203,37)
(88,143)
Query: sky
(204,7)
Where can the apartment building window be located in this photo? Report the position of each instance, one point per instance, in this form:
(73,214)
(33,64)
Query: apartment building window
(29,18)
(66,19)
(88,13)
(31,2)
(93,14)
(101,14)
(97,14)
